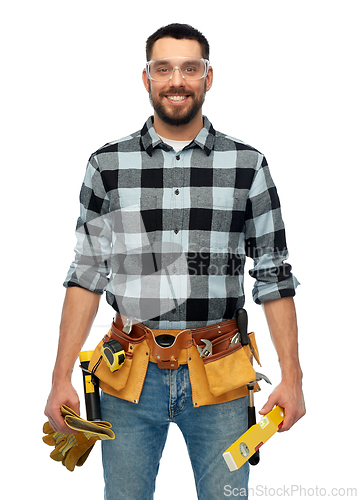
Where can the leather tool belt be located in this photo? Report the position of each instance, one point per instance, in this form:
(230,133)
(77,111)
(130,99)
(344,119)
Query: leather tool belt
(218,377)
(168,357)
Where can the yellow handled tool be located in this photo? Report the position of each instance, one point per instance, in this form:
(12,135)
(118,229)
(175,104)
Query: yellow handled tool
(91,388)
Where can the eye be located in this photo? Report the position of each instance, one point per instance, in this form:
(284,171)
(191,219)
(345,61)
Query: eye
(159,68)
(190,69)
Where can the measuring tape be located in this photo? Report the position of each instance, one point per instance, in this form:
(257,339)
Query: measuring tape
(113,354)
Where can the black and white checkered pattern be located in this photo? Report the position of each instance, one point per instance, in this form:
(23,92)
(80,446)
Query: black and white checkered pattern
(215,199)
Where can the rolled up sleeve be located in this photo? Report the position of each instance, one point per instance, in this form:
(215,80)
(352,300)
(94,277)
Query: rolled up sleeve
(90,268)
(265,239)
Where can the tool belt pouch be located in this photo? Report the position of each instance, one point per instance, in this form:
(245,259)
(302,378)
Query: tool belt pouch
(228,368)
(127,382)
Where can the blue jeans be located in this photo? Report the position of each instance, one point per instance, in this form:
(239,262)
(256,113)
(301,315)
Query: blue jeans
(131,461)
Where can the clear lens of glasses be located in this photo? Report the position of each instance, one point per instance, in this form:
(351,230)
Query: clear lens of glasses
(162,70)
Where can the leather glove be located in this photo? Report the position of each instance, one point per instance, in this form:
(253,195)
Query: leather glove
(73,449)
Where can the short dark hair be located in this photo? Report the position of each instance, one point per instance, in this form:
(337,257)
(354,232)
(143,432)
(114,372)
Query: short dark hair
(180,32)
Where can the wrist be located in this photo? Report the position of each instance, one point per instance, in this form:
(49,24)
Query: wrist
(292,374)
(61,376)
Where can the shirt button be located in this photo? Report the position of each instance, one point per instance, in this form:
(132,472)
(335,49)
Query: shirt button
(176,230)
(177,157)
(176,191)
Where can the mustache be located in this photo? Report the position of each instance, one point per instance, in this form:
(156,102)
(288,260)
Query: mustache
(176,91)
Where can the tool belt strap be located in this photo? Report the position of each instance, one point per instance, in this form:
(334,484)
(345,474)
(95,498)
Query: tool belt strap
(174,355)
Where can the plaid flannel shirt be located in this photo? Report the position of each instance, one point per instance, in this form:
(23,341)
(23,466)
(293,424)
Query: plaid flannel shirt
(215,199)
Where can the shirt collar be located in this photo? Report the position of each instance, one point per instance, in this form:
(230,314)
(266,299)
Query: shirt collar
(150,139)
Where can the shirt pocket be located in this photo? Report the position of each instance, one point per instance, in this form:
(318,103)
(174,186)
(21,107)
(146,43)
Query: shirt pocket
(216,226)
(212,213)
(139,217)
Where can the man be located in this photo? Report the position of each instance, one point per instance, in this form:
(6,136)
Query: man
(214,197)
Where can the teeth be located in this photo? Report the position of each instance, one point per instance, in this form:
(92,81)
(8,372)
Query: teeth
(176,97)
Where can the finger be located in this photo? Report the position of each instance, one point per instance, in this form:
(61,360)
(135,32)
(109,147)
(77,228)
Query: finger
(74,404)
(58,426)
(55,417)
(292,416)
(64,428)
(288,422)
(268,406)
(58,423)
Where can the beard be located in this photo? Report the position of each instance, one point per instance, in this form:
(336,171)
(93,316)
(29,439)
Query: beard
(177,116)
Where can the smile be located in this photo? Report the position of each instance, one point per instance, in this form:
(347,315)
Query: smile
(176,98)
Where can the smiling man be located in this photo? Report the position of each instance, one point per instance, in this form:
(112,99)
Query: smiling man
(177,85)
(213,197)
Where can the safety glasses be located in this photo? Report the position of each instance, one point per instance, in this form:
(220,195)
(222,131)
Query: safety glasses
(190,68)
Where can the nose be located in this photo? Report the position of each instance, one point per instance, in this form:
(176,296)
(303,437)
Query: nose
(177,79)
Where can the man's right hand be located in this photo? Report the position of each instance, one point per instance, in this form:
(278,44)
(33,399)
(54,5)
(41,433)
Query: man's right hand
(79,310)
(61,394)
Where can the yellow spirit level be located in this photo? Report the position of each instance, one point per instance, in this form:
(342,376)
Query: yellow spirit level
(240,451)
(113,354)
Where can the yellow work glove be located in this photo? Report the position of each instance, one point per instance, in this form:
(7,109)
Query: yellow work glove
(73,449)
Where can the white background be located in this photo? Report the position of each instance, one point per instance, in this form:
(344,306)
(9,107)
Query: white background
(285,81)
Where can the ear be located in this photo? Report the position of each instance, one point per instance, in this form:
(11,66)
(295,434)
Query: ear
(209,78)
(146,80)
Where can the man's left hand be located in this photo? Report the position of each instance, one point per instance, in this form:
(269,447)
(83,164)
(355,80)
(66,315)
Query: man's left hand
(290,396)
